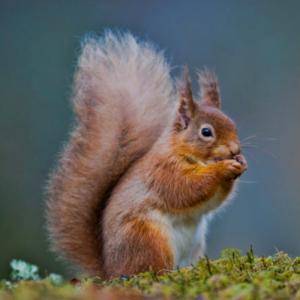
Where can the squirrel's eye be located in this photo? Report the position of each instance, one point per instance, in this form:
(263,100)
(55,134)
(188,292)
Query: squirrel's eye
(207,132)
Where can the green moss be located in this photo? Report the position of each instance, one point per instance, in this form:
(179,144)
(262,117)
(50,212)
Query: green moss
(233,276)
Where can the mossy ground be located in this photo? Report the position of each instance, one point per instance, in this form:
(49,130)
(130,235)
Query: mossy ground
(233,276)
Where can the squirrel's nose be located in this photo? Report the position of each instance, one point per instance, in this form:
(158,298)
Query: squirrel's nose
(234,148)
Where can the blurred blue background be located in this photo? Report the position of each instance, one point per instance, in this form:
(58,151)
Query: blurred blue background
(254,47)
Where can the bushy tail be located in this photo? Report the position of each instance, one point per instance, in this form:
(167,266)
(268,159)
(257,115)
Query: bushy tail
(121,99)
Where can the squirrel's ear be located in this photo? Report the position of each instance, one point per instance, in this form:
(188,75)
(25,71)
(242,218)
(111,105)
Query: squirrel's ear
(186,107)
(209,88)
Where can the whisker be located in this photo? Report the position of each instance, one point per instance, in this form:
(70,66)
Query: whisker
(254,136)
(265,151)
(247,144)
(250,137)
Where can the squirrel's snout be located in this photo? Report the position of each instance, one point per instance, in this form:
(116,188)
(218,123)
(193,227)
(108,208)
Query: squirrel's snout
(234,149)
(227,151)
(242,160)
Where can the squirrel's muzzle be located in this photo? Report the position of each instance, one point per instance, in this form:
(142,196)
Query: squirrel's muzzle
(242,160)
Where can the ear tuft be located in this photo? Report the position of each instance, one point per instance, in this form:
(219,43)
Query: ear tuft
(209,88)
(187,105)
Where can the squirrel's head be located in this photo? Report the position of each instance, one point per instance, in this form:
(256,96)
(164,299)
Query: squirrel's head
(202,132)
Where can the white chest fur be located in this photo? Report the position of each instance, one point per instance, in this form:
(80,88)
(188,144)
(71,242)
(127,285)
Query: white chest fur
(183,232)
(186,232)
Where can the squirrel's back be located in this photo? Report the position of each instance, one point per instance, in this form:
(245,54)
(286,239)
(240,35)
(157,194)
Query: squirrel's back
(121,99)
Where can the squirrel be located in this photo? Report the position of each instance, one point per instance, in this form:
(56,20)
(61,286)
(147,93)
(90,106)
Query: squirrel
(146,165)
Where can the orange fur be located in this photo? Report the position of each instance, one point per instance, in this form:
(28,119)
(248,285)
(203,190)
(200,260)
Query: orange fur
(137,178)
(135,252)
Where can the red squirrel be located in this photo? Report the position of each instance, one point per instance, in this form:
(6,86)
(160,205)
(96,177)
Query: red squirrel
(145,166)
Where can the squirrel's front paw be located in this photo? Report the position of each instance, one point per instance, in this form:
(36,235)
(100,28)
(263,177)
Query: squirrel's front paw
(233,168)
